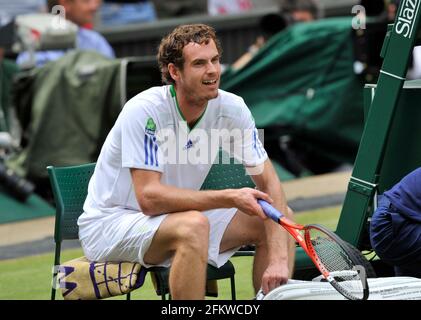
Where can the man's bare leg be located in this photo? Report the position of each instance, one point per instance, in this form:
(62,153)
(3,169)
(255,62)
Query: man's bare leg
(185,237)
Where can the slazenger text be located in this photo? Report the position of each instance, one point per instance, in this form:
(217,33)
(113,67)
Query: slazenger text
(406,17)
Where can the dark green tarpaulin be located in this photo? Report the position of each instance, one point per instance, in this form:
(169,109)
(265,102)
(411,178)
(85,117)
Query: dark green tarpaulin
(302,83)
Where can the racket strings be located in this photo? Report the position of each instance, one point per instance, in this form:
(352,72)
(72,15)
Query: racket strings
(337,263)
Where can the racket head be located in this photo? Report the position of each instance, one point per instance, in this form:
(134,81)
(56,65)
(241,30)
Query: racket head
(337,262)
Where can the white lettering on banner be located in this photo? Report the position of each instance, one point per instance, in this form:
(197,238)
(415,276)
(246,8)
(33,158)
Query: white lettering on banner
(408,12)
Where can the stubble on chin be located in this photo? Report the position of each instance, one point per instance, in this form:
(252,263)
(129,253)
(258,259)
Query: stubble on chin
(214,95)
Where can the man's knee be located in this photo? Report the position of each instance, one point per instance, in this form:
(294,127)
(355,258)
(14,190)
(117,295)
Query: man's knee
(290,214)
(255,230)
(193,229)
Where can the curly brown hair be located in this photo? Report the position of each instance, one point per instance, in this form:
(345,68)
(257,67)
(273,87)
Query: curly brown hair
(171,47)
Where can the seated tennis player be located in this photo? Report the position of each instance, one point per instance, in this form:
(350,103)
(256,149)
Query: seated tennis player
(144,203)
(395,229)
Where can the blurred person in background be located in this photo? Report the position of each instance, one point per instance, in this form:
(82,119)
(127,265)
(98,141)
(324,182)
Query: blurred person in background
(82,13)
(369,40)
(290,12)
(120,12)
(301,10)
(178,8)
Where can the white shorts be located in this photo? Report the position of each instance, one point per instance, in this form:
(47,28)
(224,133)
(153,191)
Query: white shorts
(127,235)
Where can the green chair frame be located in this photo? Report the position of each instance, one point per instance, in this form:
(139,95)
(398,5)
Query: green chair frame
(70,187)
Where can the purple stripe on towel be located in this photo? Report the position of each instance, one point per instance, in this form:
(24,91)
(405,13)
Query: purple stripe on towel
(69,286)
(119,277)
(105,278)
(94,284)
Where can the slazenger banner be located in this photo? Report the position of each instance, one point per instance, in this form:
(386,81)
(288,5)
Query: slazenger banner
(407,14)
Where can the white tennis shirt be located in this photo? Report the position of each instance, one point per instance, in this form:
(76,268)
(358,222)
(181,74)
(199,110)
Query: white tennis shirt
(151,133)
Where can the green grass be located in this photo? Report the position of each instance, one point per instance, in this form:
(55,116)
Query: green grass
(29,278)
(328,217)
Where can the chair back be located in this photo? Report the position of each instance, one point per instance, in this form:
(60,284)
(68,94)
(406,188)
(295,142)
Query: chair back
(227,175)
(70,188)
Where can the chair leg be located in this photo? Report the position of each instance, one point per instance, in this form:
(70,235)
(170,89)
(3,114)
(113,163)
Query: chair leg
(161,285)
(233,295)
(53,293)
(55,270)
(53,284)
(163,294)
(128,296)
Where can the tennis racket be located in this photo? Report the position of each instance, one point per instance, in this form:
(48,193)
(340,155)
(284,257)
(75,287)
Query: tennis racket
(330,254)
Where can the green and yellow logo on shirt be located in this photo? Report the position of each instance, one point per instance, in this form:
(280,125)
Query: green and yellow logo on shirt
(150,127)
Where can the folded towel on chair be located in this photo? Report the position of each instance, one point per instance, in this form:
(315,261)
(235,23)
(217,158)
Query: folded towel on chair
(81,279)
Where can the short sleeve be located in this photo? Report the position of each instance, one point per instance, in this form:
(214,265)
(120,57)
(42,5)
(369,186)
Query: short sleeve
(139,145)
(248,148)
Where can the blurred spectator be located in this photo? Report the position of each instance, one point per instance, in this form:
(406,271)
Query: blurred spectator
(301,10)
(370,41)
(221,7)
(10,9)
(392,6)
(177,8)
(82,13)
(120,12)
(291,11)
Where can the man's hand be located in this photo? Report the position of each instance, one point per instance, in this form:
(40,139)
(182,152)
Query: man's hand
(245,199)
(274,276)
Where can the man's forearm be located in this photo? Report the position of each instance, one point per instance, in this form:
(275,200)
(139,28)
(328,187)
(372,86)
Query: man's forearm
(161,199)
(278,239)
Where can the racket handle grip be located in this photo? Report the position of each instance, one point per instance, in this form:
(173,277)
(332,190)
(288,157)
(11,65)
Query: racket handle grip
(270,211)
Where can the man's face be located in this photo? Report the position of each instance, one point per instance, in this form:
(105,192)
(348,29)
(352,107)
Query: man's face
(81,12)
(302,16)
(201,72)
